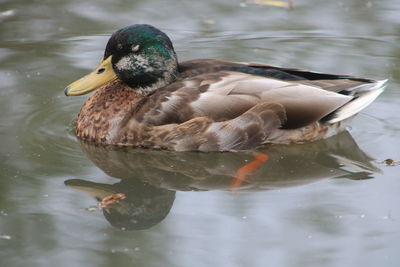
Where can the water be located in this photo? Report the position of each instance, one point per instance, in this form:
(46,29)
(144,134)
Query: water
(331,203)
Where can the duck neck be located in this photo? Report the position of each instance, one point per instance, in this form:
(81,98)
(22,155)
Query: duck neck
(147,89)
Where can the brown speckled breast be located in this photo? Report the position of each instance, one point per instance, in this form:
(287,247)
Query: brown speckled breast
(104,111)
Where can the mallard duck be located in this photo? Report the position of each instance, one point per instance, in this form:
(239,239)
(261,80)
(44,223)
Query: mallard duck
(145,98)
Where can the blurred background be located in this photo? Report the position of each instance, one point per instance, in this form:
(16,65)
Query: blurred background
(330,203)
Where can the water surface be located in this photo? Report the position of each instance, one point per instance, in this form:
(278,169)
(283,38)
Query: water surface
(330,203)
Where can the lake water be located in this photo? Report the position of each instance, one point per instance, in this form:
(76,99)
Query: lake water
(328,203)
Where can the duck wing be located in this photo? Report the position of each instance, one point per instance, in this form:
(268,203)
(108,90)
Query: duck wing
(222,90)
(249,130)
(219,106)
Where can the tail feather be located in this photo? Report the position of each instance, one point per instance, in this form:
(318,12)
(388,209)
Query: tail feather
(365,95)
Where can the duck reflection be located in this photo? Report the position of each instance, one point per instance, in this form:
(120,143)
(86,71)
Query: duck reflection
(149,178)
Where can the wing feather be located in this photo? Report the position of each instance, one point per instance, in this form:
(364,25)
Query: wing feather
(219,91)
(249,130)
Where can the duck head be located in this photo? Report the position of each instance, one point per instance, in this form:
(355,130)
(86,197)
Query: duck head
(139,55)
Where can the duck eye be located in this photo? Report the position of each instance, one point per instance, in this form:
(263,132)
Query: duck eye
(135,48)
(100,70)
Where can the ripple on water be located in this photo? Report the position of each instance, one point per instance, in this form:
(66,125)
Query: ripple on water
(49,128)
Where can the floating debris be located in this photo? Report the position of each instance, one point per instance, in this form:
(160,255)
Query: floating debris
(209,21)
(111,199)
(7,14)
(92,208)
(6,237)
(288,4)
(391,162)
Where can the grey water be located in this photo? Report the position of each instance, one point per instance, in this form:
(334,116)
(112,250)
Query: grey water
(328,203)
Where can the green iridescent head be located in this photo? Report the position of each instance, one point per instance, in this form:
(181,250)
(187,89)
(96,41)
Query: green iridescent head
(140,55)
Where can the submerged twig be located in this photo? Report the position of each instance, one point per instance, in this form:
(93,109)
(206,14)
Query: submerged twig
(244,171)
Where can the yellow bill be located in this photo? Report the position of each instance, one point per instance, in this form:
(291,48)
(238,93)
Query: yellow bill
(103,74)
